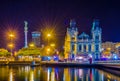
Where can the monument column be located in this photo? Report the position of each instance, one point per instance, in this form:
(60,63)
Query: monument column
(26,30)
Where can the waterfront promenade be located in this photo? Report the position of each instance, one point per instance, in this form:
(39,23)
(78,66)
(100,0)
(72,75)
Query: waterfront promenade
(61,64)
(112,68)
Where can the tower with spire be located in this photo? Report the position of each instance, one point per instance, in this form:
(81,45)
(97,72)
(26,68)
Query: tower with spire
(70,40)
(96,36)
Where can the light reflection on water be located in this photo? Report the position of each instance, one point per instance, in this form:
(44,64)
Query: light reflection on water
(26,73)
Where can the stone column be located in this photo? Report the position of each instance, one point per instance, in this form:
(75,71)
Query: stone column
(87,48)
(26,30)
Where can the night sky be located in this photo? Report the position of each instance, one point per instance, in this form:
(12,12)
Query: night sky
(56,15)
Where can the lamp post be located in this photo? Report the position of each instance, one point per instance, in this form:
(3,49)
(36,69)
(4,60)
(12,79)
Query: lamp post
(48,36)
(11,42)
(11,47)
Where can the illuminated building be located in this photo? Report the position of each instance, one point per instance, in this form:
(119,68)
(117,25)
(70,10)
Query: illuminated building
(36,38)
(113,47)
(117,46)
(108,45)
(83,44)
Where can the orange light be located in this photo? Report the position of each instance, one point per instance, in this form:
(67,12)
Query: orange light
(52,45)
(48,35)
(11,45)
(48,49)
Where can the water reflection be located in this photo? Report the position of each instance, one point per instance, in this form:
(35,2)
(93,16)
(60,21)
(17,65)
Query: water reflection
(31,75)
(11,75)
(26,73)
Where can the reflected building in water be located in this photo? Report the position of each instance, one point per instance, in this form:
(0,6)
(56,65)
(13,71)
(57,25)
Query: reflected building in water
(26,73)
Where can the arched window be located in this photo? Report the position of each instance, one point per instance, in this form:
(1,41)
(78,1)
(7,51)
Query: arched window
(73,47)
(89,48)
(97,37)
(97,47)
(84,48)
(80,47)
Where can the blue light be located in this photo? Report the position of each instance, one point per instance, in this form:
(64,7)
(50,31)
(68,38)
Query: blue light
(46,58)
(49,58)
(115,57)
(56,58)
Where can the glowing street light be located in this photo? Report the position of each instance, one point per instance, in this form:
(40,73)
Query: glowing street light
(52,45)
(11,35)
(48,50)
(48,35)
(10,45)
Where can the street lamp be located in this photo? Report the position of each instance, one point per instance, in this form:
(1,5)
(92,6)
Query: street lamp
(52,45)
(48,50)
(11,35)
(48,36)
(11,47)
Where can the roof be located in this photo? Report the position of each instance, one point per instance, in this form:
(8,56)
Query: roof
(83,35)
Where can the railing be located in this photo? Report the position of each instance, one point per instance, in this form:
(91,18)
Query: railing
(108,62)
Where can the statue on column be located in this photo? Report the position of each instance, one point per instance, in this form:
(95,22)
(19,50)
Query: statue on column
(26,30)
(26,23)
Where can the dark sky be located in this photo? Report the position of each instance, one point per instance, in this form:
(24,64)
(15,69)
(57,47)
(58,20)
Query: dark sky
(56,15)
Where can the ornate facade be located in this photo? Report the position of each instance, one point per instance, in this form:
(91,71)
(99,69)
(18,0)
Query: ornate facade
(83,44)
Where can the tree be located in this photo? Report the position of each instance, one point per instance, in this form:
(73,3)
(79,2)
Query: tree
(4,52)
(61,53)
(34,51)
(29,51)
